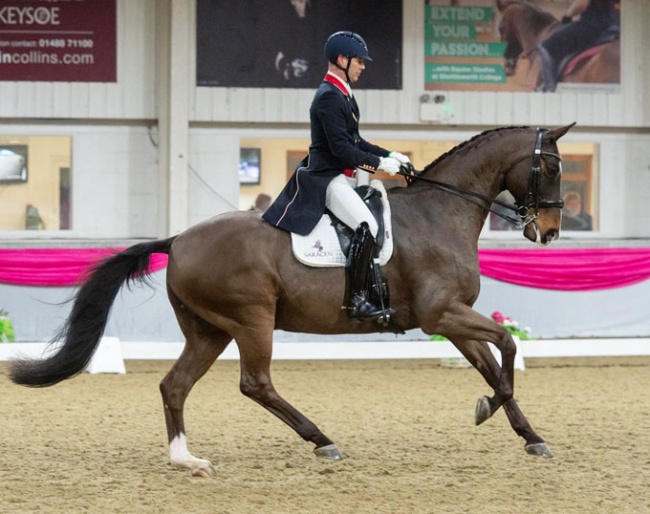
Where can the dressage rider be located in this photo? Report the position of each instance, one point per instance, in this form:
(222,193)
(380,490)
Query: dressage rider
(323,180)
(573,37)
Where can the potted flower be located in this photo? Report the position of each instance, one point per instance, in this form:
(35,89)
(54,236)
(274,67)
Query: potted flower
(6,328)
(506,322)
(511,326)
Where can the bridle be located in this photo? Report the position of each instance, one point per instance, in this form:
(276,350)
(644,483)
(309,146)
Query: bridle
(532,202)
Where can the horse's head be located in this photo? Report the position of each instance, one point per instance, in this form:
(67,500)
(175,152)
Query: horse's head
(535,184)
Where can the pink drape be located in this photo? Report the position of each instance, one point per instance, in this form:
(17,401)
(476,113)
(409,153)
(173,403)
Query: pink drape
(56,266)
(559,269)
(567,269)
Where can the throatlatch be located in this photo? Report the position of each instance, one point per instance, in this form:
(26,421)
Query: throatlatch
(366,289)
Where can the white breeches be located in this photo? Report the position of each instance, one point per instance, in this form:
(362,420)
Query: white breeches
(347,205)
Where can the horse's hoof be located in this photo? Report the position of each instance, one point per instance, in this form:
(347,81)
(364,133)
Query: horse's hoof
(483,410)
(204,471)
(329,452)
(539,450)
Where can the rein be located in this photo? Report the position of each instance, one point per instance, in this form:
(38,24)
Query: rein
(532,201)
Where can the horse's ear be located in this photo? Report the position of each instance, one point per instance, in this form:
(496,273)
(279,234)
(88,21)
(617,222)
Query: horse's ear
(502,4)
(557,133)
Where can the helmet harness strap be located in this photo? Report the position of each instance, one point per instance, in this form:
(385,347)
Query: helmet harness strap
(346,69)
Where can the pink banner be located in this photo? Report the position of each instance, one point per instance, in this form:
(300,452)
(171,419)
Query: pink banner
(559,269)
(56,266)
(58,40)
(567,269)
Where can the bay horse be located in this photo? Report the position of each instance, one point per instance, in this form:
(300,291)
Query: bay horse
(525,25)
(235,277)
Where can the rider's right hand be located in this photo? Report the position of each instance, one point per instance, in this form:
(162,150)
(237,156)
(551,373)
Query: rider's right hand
(389,165)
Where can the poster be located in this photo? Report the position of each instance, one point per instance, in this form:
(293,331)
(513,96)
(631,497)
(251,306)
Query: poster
(517,45)
(58,40)
(279,43)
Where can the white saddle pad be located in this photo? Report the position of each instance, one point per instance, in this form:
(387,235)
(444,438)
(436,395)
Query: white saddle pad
(321,248)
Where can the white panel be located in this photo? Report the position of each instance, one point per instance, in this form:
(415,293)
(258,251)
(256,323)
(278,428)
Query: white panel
(614,105)
(61,99)
(214,182)
(569,108)
(25,98)
(503,105)
(485,109)
(9,104)
(202,104)
(80,103)
(268,108)
(372,108)
(520,109)
(636,160)
(98,105)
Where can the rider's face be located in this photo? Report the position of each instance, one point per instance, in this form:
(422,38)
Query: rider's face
(357,65)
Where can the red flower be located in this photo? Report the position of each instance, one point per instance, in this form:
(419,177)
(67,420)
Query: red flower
(498,317)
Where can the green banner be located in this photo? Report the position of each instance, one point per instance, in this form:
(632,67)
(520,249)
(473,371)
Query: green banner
(458,14)
(473,49)
(434,30)
(477,73)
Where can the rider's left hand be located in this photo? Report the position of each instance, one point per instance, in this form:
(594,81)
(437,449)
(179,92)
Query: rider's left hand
(403,159)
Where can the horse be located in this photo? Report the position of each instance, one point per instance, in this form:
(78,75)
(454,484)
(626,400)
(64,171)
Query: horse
(524,26)
(235,277)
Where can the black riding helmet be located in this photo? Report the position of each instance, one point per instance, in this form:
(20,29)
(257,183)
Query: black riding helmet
(348,44)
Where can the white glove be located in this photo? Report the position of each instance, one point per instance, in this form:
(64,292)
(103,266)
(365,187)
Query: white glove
(403,159)
(389,165)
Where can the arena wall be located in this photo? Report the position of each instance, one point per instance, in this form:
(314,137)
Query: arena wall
(131,185)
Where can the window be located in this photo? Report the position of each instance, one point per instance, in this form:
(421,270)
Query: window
(35,183)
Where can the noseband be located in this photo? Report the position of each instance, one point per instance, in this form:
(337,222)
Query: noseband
(533,201)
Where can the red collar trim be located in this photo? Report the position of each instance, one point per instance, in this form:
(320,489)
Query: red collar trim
(333,79)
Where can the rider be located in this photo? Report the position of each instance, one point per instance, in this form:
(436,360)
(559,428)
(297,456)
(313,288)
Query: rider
(323,180)
(596,17)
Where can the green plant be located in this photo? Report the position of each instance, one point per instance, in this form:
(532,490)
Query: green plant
(6,328)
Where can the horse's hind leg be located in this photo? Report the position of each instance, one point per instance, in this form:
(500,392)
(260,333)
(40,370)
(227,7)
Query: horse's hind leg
(255,356)
(204,343)
(479,355)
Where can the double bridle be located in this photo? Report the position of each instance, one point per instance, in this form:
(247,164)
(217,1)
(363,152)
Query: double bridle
(532,202)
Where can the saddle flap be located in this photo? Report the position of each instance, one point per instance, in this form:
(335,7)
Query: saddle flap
(325,245)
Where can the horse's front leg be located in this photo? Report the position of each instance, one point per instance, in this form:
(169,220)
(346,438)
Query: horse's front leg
(504,386)
(479,355)
(461,324)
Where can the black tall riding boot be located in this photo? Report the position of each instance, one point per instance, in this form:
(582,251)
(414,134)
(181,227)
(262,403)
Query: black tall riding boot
(358,270)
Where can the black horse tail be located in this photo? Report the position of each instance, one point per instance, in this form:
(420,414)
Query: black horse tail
(82,331)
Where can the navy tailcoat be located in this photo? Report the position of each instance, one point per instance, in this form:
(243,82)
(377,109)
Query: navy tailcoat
(336,146)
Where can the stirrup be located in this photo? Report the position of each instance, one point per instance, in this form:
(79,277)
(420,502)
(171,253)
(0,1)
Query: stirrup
(361,309)
(366,311)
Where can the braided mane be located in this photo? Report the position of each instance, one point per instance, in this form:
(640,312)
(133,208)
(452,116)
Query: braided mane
(464,144)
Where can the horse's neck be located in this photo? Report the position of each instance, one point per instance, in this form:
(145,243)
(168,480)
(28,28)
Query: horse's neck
(480,175)
(466,212)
